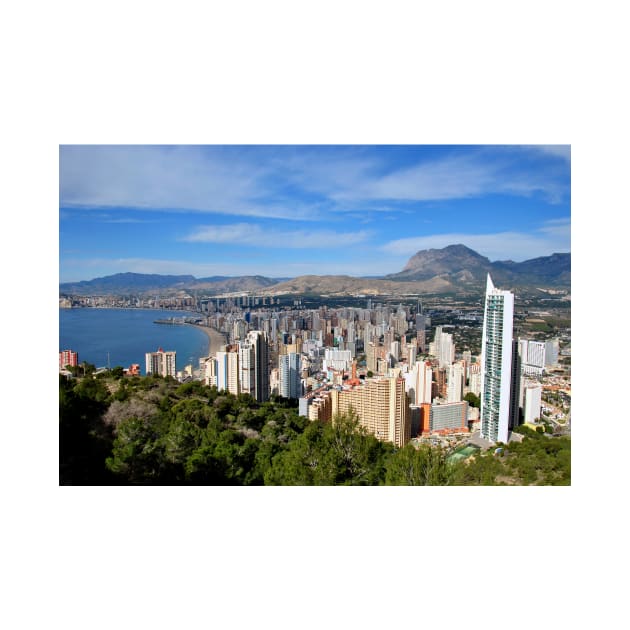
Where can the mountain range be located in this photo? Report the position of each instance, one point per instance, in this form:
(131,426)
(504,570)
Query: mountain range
(452,269)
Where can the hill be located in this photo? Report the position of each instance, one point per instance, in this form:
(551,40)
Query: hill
(452,269)
(462,267)
(137,283)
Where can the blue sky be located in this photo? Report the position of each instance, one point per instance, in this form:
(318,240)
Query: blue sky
(284,211)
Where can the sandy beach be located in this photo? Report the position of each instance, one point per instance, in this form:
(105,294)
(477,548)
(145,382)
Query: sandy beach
(216,339)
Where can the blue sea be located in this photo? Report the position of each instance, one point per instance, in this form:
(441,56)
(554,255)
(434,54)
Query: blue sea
(127,334)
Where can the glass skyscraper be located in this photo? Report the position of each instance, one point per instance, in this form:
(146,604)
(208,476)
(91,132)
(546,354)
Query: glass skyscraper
(499,389)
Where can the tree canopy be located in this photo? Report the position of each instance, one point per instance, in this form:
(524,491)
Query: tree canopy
(153,430)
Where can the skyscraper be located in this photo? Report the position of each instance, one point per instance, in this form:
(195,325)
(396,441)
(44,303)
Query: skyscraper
(456,380)
(499,395)
(254,354)
(442,347)
(227,371)
(424,378)
(290,381)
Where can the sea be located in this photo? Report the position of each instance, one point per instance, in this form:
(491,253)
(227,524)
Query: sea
(120,336)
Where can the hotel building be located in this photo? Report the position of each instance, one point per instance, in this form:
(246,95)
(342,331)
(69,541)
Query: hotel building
(499,382)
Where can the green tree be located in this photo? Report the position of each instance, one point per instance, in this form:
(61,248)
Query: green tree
(84,438)
(422,466)
(334,453)
(137,453)
(473,400)
(117,372)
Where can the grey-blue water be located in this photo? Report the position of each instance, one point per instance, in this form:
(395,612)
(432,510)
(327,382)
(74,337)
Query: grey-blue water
(127,334)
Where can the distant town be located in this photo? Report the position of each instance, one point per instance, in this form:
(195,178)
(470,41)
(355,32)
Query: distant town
(457,372)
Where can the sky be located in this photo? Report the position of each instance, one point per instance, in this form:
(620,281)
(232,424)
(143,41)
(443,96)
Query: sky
(290,210)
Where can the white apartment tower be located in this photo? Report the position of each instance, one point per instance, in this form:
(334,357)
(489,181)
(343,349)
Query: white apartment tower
(227,372)
(424,378)
(442,347)
(532,402)
(532,355)
(498,395)
(290,380)
(456,380)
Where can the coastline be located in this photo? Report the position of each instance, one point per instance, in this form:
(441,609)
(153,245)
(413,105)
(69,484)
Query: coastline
(216,339)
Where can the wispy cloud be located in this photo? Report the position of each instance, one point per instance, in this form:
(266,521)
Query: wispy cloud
(217,180)
(257,236)
(562,151)
(352,177)
(458,177)
(553,236)
(293,182)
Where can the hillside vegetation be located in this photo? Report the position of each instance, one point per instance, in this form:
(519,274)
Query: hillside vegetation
(152,430)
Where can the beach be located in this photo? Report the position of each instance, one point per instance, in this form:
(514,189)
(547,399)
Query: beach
(216,339)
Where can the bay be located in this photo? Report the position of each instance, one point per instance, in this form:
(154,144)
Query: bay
(127,334)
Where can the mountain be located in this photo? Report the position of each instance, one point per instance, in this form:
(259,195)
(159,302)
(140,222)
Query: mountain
(126,283)
(464,268)
(232,285)
(552,270)
(349,285)
(452,269)
(136,283)
(456,261)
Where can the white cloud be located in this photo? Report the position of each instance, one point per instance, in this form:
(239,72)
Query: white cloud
(169,178)
(552,237)
(289,182)
(351,178)
(558,150)
(257,236)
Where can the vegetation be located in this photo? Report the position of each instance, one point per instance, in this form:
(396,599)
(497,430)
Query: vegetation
(154,430)
(538,460)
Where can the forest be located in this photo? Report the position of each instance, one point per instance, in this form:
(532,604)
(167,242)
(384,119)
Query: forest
(118,430)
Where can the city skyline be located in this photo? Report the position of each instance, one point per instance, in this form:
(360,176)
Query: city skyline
(285,211)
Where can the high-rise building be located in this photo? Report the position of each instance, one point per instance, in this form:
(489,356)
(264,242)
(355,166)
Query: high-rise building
(442,347)
(499,390)
(227,371)
(456,380)
(382,407)
(290,377)
(532,356)
(423,384)
(552,349)
(208,366)
(532,402)
(255,372)
(68,357)
(160,362)
(475,379)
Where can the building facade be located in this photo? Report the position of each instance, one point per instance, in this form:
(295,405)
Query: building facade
(68,357)
(532,356)
(258,345)
(290,375)
(160,362)
(382,406)
(449,417)
(498,398)
(227,371)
